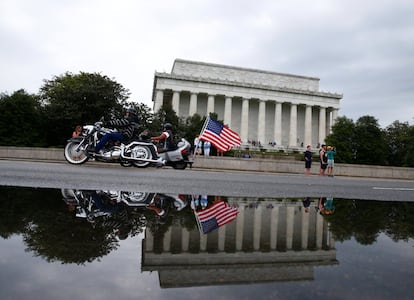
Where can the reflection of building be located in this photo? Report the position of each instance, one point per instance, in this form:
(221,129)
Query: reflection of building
(269,241)
(259,105)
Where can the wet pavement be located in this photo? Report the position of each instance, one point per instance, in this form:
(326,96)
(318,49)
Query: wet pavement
(111,244)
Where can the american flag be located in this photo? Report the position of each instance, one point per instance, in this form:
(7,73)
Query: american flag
(221,136)
(219,214)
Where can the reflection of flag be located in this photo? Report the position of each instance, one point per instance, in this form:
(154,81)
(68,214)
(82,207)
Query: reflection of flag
(221,136)
(219,214)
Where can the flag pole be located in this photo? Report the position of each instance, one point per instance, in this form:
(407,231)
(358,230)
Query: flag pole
(201,132)
(195,215)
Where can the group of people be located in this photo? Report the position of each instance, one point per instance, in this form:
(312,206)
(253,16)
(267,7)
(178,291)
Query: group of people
(201,147)
(325,205)
(326,158)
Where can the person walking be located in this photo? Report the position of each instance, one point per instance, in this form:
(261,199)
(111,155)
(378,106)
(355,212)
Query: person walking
(308,159)
(331,160)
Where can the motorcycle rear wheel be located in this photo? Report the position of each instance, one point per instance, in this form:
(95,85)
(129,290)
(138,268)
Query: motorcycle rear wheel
(125,163)
(75,157)
(141,152)
(179,165)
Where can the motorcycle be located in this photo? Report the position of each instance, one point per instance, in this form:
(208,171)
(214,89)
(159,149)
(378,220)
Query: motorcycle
(138,152)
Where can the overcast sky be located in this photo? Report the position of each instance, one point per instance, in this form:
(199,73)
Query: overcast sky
(361,49)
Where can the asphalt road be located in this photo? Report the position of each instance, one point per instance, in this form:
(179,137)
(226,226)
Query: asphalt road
(196,181)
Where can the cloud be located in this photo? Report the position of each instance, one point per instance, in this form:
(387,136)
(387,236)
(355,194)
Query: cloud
(361,49)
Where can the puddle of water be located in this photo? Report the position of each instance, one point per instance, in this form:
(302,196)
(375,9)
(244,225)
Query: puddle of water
(128,245)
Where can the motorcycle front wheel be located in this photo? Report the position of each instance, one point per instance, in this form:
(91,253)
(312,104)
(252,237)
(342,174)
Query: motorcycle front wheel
(75,155)
(140,152)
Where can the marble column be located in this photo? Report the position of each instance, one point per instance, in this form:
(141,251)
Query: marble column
(257,227)
(308,126)
(149,241)
(334,116)
(185,239)
(278,123)
(240,229)
(176,102)
(193,104)
(221,238)
(244,120)
(305,229)
(210,104)
(328,121)
(159,98)
(290,218)
(293,135)
(319,231)
(322,124)
(167,240)
(227,111)
(261,130)
(274,222)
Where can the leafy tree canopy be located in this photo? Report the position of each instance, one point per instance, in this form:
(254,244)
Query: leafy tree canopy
(342,137)
(73,99)
(21,120)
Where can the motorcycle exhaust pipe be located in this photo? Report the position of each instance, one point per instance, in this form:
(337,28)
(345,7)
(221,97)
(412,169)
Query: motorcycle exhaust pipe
(140,159)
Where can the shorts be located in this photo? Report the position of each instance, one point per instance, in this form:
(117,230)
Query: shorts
(323,166)
(308,164)
(330,163)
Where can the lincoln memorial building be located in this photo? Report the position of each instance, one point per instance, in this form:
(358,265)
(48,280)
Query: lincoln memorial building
(261,106)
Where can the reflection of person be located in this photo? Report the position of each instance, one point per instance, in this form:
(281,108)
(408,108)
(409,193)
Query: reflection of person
(308,159)
(78,131)
(106,203)
(306,203)
(323,159)
(330,154)
(156,206)
(329,206)
(325,206)
(199,202)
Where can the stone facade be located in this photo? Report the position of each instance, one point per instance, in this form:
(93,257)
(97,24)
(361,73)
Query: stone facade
(261,106)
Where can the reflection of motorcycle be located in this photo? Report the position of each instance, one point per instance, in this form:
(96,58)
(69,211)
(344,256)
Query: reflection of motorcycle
(136,152)
(91,204)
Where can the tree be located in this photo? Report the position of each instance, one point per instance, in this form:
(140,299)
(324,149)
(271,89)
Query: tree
(343,138)
(166,114)
(409,155)
(146,117)
(398,142)
(73,99)
(21,120)
(194,125)
(370,145)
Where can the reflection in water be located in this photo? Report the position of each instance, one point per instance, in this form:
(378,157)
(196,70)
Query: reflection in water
(274,239)
(243,240)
